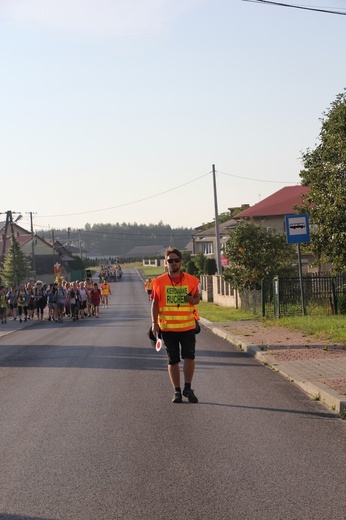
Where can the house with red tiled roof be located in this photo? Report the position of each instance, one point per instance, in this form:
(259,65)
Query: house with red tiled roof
(271,211)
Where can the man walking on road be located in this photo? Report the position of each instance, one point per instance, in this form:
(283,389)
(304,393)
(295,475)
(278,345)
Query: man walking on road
(174,296)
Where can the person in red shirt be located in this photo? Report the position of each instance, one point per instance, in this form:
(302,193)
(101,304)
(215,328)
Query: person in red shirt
(95,299)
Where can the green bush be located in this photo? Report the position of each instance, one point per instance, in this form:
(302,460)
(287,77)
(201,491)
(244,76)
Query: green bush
(191,267)
(199,262)
(342,304)
(210,266)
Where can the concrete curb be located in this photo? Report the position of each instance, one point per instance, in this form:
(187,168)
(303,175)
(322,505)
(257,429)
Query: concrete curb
(19,326)
(316,390)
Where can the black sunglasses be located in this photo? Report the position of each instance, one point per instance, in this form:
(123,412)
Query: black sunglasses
(171,260)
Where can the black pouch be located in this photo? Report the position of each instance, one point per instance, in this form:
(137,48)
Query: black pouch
(198,327)
(152,337)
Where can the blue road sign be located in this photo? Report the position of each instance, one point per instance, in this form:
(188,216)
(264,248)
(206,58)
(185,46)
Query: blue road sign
(297,229)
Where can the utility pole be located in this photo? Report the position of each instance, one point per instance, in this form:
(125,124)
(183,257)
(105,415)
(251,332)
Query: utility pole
(217,232)
(4,236)
(53,241)
(80,243)
(33,263)
(9,221)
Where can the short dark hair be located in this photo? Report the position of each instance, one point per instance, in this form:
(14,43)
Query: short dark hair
(172,250)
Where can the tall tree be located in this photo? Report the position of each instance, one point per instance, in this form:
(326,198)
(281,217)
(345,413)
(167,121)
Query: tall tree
(325,172)
(16,266)
(254,253)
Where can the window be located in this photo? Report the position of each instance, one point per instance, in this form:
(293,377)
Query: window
(208,248)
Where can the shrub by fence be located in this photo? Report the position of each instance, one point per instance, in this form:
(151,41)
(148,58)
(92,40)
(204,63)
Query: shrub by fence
(322,295)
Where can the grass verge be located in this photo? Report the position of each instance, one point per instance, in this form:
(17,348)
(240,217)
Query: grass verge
(146,272)
(332,328)
(216,313)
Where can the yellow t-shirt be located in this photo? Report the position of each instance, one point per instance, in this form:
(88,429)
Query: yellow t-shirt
(105,289)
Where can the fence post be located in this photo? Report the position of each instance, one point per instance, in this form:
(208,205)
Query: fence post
(276,297)
(335,298)
(301,281)
(263,297)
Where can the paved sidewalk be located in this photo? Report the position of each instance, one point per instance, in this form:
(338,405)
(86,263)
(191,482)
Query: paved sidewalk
(316,366)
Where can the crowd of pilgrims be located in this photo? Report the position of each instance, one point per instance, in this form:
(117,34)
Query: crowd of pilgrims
(73,300)
(111,273)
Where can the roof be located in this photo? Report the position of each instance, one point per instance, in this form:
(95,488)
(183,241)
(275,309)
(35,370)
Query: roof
(146,251)
(66,258)
(224,227)
(188,247)
(24,237)
(281,202)
(20,234)
(16,227)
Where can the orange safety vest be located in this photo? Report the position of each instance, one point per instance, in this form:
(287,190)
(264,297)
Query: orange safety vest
(175,314)
(148,286)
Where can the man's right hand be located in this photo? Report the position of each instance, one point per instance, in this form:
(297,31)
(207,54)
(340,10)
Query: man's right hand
(155,328)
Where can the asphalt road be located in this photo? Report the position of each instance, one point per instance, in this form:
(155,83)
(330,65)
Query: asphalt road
(88,431)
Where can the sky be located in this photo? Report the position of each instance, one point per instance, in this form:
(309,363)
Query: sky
(115,111)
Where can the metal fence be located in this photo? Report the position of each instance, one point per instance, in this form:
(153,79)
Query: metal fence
(322,295)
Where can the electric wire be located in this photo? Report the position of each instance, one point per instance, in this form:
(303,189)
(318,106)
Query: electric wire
(128,203)
(163,193)
(255,180)
(294,6)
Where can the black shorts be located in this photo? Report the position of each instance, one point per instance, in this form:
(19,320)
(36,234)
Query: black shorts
(40,305)
(175,340)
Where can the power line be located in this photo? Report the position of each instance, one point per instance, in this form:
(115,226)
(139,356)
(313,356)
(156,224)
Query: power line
(280,4)
(163,193)
(256,180)
(129,203)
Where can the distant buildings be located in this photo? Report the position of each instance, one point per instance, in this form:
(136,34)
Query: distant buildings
(41,254)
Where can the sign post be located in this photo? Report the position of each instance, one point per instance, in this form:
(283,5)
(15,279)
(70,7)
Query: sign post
(297,232)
